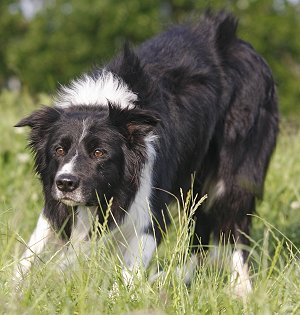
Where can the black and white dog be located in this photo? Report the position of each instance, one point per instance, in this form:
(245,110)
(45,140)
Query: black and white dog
(193,100)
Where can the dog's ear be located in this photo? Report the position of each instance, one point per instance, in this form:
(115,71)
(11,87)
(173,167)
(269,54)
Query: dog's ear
(40,119)
(134,124)
(130,69)
(40,122)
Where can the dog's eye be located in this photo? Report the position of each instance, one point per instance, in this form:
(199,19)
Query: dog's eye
(60,151)
(98,153)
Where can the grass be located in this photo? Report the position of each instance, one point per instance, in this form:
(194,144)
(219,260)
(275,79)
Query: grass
(274,261)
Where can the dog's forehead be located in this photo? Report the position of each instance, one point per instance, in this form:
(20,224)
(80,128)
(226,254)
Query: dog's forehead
(78,122)
(86,128)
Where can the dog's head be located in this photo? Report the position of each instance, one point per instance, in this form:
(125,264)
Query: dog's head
(85,154)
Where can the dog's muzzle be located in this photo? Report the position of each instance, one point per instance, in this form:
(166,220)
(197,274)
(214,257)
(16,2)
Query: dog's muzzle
(67,183)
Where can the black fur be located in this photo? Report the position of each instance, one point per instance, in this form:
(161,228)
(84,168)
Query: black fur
(211,101)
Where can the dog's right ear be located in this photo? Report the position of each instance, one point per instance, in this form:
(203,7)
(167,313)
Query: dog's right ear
(41,119)
(40,122)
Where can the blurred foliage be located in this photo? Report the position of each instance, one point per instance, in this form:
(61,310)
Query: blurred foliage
(12,29)
(66,37)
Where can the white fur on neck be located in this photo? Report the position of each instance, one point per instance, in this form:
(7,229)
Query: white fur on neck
(138,246)
(139,213)
(138,217)
(88,90)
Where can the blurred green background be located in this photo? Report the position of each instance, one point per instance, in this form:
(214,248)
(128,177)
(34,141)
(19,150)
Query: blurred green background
(44,43)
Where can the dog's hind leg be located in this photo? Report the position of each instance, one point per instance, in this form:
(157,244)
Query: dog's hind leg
(233,213)
(226,214)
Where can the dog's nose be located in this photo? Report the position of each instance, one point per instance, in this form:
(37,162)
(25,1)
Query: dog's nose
(67,182)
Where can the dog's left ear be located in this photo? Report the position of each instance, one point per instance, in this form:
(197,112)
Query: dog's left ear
(131,70)
(134,124)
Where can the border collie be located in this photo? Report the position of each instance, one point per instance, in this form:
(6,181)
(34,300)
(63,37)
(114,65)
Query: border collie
(195,99)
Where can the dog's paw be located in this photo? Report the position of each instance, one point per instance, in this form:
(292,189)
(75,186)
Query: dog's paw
(240,286)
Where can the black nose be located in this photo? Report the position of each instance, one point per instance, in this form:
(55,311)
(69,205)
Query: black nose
(66,182)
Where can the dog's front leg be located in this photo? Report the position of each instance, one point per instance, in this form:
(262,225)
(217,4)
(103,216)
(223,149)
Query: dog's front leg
(137,256)
(79,239)
(38,240)
(240,280)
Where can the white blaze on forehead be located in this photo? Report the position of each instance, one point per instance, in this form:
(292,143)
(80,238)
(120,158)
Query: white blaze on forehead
(84,130)
(68,167)
(88,90)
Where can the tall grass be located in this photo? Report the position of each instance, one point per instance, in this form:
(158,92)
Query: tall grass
(88,287)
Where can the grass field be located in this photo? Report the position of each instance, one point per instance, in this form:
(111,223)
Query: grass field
(274,254)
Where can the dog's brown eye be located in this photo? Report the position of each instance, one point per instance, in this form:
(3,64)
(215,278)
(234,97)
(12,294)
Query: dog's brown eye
(98,153)
(60,151)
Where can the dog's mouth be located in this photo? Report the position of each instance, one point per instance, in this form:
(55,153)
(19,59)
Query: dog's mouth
(70,199)
(70,202)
